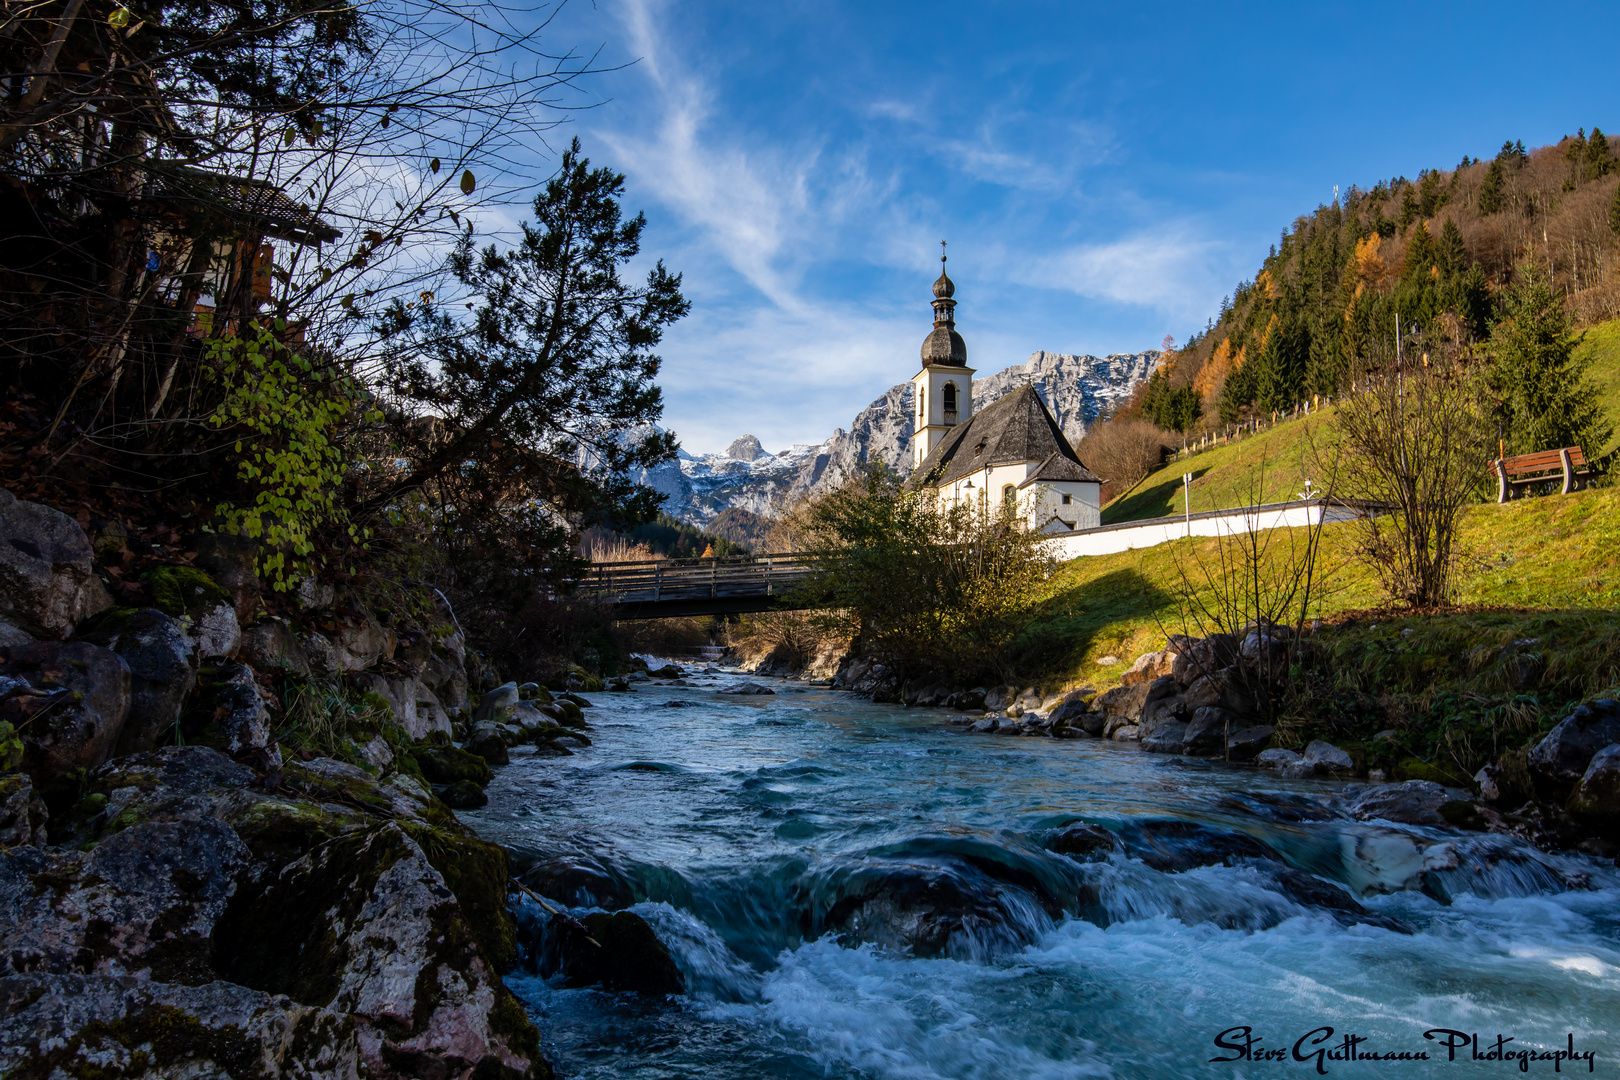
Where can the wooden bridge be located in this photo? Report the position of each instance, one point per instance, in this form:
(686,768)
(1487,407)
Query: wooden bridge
(667,588)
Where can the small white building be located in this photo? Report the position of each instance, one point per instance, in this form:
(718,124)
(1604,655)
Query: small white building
(1010,452)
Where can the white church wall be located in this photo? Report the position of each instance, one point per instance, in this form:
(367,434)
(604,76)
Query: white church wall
(1126,537)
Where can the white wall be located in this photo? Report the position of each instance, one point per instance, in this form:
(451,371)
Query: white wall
(1115,538)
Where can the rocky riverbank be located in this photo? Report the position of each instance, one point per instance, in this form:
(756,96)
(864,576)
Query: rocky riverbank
(194,880)
(1221,697)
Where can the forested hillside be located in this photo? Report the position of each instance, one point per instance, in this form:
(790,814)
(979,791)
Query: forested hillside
(1440,257)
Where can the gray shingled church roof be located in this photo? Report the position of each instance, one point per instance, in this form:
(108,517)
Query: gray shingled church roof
(1016,427)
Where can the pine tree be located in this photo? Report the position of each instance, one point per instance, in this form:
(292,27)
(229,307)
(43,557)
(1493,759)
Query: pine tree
(1597,153)
(1547,402)
(1452,253)
(1490,189)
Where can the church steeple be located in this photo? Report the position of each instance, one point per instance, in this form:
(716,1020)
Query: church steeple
(944,345)
(943,389)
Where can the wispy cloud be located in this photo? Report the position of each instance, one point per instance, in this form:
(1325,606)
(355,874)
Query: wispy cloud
(1174,269)
(749,203)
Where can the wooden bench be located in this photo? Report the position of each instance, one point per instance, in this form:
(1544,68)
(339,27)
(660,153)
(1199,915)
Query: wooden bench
(1568,463)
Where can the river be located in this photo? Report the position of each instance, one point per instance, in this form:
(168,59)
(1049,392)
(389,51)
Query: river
(799,851)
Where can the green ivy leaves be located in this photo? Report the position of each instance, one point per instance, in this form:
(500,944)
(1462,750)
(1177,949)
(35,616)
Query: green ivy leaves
(287,457)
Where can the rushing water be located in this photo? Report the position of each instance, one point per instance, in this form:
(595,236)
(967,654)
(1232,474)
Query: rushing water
(858,890)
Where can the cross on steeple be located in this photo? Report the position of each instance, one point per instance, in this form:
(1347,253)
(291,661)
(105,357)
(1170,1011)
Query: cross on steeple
(942,251)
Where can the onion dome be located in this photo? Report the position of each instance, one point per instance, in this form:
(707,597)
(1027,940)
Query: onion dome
(944,345)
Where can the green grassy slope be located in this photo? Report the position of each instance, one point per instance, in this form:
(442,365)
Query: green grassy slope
(1273,464)
(1276,463)
(1558,553)
(1602,346)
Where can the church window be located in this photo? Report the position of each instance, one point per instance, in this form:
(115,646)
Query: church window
(1067,499)
(950,403)
(1009,494)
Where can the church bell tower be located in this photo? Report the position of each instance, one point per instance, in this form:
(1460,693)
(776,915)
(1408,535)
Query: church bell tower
(943,389)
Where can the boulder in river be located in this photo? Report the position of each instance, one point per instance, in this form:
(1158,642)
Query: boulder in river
(1083,842)
(1172,845)
(617,951)
(1415,802)
(1561,759)
(1325,757)
(747,688)
(1598,793)
(1278,758)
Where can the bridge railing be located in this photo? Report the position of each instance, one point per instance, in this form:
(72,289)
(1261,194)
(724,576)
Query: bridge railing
(689,579)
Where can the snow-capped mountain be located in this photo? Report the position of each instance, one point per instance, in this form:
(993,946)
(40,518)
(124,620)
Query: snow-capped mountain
(1077,389)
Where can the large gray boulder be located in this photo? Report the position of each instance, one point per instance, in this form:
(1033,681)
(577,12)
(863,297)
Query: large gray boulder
(1227,688)
(162,661)
(1325,757)
(415,708)
(445,673)
(231,717)
(1148,667)
(1561,759)
(144,902)
(1203,657)
(1598,793)
(1163,704)
(273,645)
(1249,740)
(47,576)
(360,641)
(1415,802)
(1206,731)
(1122,702)
(1166,738)
(496,705)
(73,708)
(61,1025)
(364,925)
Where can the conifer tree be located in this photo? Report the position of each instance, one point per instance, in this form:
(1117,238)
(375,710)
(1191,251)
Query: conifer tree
(1597,153)
(1490,189)
(1452,253)
(1546,400)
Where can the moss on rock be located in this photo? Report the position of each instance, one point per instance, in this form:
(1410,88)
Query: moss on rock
(183,590)
(447,764)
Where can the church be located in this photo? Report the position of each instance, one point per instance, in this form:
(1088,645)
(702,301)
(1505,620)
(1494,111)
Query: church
(1011,452)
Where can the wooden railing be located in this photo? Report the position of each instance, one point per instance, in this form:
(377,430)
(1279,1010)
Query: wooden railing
(668,580)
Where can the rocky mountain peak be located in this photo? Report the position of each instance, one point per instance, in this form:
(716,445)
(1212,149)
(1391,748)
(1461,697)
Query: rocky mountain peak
(746,448)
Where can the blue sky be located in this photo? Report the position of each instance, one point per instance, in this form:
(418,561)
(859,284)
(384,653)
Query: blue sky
(1105,174)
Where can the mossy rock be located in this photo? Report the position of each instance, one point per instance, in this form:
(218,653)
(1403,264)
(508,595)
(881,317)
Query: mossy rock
(279,832)
(477,872)
(1414,769)
(464,795)
(571,716)
(179,591)
(448,764)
